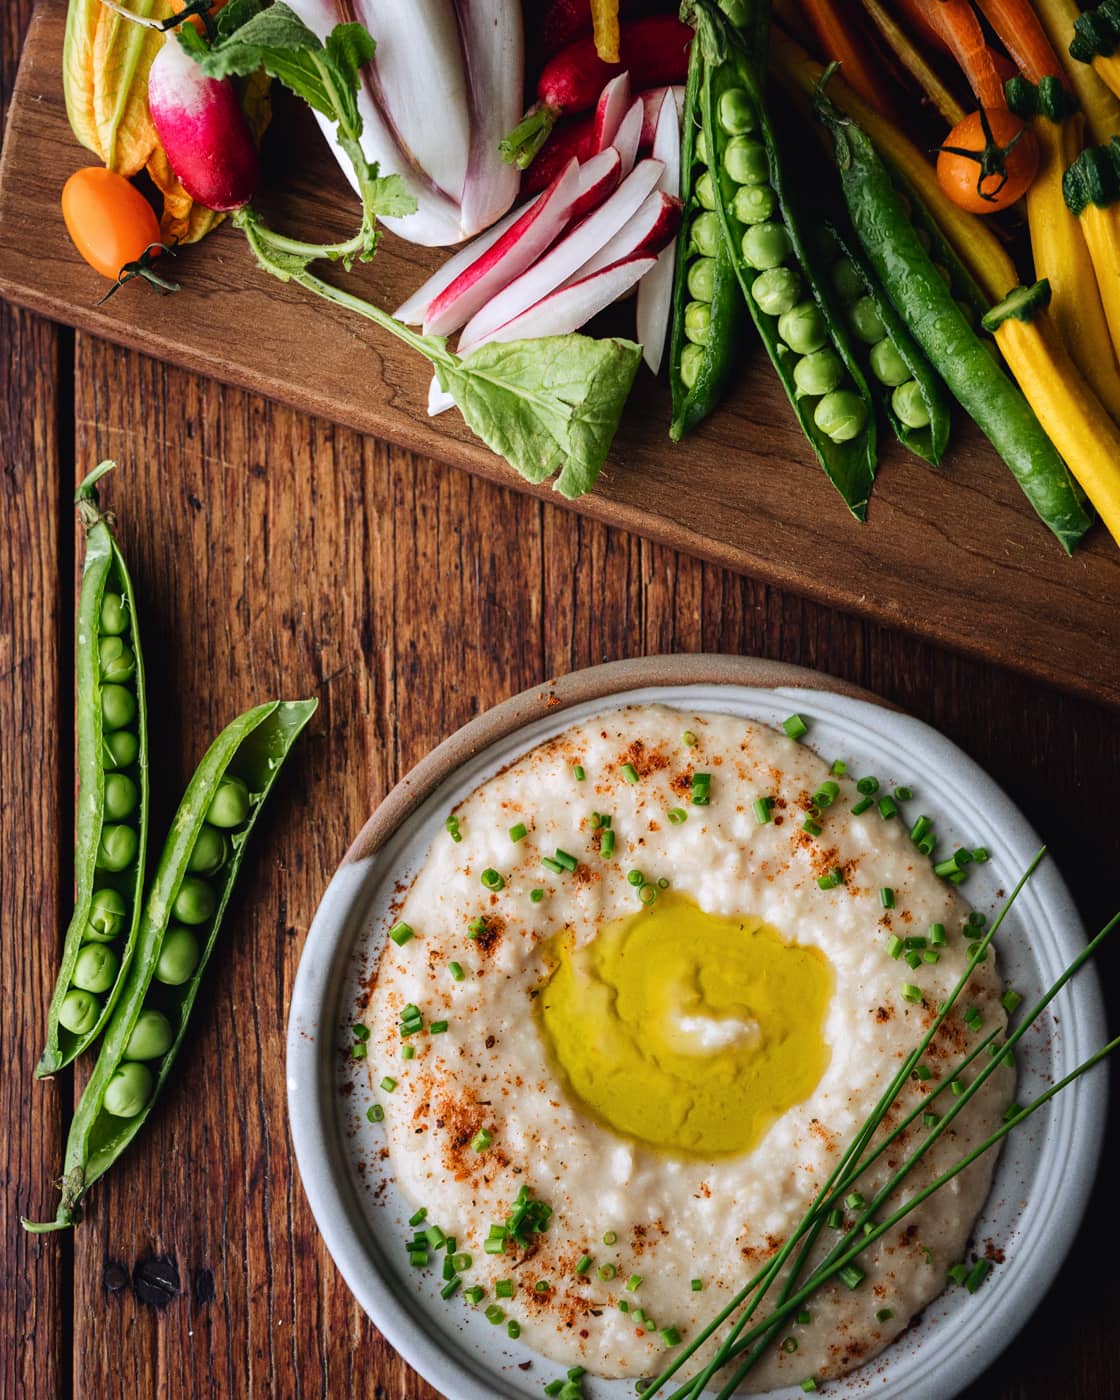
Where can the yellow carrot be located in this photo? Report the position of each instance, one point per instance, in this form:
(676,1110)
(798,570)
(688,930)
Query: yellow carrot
(1102,110)
(604,18)
(1091,186)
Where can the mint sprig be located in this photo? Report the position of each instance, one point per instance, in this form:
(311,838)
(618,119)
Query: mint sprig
(548,406)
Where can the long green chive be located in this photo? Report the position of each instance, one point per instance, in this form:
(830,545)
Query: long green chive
(867,786)
(888,807)
(536,896)
(937,936)
(518,832)
(886,897)
(375,1113)
(578,773)
(762,813)
(610,1237)
(607,1272)
(894,946)
(606,844)
(677,815)
(812,827)
(701,785)
(911,993)
(584,1264)
(858,808)
(492,880)
(401,933)
(388,1084)
(921,828)
(495,1314)
(565,861)
(504,1288)
(795,726)
(977,1274)
(851,1276)
(482,1140)
(689,740)
(629,772)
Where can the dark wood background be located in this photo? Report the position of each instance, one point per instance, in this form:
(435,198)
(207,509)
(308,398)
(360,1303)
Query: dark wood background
(276,555)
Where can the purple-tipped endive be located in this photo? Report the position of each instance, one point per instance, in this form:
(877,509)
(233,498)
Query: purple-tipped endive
(443,87)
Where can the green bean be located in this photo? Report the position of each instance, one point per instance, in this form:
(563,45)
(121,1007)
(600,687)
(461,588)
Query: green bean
(112,807)
(929,309)
(167,967)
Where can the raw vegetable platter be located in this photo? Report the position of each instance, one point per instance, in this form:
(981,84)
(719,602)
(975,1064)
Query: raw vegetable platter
(954,553)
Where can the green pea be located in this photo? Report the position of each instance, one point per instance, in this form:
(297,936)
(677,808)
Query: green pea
(692,361)
(195,902)
(114,615)
(118,707)
(108,913)
(746,161)
(117,848)
(910,405)
(701,279)
(705,190)
(79,1012)
(865,321)
(777,290)
(230,804)
(705,233)
(120,750)
(95,968)
(736,112)
(178,957)
(754,204)
(700,147)
(766,245)
(117,659)
(698,322)
(121,796)
(151,1037)
(818,373)
(211,851)
(887,364)
(129,1090)
(841,415)
(803,328)
(847,279)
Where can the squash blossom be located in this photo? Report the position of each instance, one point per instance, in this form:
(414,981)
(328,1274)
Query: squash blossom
(105,65)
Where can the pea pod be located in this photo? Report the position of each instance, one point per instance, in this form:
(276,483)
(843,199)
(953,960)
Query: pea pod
(112,817)
(927,305)
(180,923)
(699,370)
(807,341)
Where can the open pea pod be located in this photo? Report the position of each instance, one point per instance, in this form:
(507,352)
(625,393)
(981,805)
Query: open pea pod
(761,226)
(112,816)
(182,914)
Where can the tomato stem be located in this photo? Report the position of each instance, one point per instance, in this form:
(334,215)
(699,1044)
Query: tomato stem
(142,267)
(992,160)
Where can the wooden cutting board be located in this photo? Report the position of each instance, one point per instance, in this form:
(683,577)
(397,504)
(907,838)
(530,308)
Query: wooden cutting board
(954,554)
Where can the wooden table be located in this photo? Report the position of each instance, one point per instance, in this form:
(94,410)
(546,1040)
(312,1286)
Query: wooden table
(276,555)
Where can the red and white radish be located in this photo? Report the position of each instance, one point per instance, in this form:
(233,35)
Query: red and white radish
(655,294)
(517,249)
(202,129)
(566,257)
(598,178)
(628,135)
(612,106)
(652,228)
(651,110)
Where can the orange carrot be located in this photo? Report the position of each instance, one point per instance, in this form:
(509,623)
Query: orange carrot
(915,64)
(915,17)
(958,25)
(1025,39)
(842,40)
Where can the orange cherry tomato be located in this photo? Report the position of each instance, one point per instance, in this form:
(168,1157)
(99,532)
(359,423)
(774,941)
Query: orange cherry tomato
(986,170)
(109,220)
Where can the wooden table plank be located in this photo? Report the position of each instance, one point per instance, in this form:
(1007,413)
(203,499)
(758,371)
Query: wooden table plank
(953,554)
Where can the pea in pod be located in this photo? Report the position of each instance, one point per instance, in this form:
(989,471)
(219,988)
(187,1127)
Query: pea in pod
(112,817)
(181,918)
(700,363)
(794,310)
(921,297)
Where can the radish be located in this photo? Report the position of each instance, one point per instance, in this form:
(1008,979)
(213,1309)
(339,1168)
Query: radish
(203,130)
(598,178)
(655,295)
(651,110)
(518,248)
(628,135)
(654,50)
(645,233)
(560,312)
(574,137)
(612,106)
(570,254)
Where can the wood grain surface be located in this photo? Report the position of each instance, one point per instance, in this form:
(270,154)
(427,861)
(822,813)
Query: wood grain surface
(954,554)
(275,554)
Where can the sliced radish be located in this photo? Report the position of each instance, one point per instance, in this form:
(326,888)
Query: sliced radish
(655,295)
(644,234)
(518,248)
(598,178)
(613,104)
(651,110)
(628,135)
(563,311)
(570,253)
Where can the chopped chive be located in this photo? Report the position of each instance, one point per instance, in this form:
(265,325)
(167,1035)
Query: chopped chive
(812,827)
(958,878)
(976,919)
(762,813)
(1010,1001)
(884,1315)
(795,726)
(670,1336)
(789,1345)
(542,1285)
(980,855)
(495,1245)
(401,933)
(360,1032)
(894,946)
(697,1285)
(451,825)
(584,1264)
(662,883)
(839,767)
(973,1019)
(808,1384)
(623,1305)
(701,785)
(575,1373)
(375,1113)
(977,1274)
(850,1276)
(553,865)
(978,951)
(921,828)
(421,1214)
(503,1288)
(495,1314)
(826,794)
(566,861)
(689,740)
(408,1052)
(914,959)
(916,942)
(476,927)
(629,772)
(606,844)
(456,970)
(513,1329)
(945,868)
(886,897)
(418,1258)
(937,935)
(647,894)
(610,1237)
(518,832)
(958,1273)
(474,1294)
(607,1272)
(867,786)
(435,1237)
(578,773)
(633,1283)
(835,1218)
(536,896)
(677,815)
(388,1084)
(554,1387)
(957,1088)
(451,1287)
(461,1262)
(635,877)
(903,794)
(858,808)
(358,1050)
(931,955)
(482,1140)
(888,807)
(492,880)
(855,1201)
(832,879)
(911,993)
(436,1027)
(923,1072)
(927,844)
(931,1119)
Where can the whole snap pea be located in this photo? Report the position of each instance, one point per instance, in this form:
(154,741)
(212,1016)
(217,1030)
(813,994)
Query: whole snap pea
(112,815)
(147,1026)
(761,228)
(927,305)
(699,370)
